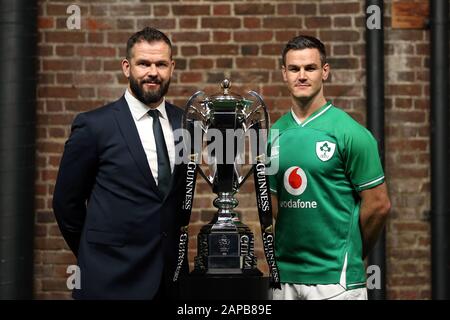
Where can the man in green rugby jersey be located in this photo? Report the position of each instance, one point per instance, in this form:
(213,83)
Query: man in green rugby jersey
(330,189)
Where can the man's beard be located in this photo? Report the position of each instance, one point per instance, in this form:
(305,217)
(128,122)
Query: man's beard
(150,96)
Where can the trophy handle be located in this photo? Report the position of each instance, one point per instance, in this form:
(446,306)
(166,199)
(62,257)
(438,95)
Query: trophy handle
(262,103)
(193,97)
(204,115)
(266,120)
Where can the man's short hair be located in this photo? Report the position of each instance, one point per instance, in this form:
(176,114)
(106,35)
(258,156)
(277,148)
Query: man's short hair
(304,42)
(150,35)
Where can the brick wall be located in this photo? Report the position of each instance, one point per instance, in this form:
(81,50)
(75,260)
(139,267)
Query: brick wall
(80,70)
(407,162)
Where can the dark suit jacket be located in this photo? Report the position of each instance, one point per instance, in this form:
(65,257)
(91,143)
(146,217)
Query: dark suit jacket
(109,208)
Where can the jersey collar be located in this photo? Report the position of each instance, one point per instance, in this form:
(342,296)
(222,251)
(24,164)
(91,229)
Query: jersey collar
(313,116)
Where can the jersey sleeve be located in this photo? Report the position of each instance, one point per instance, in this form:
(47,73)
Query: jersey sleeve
(363,164)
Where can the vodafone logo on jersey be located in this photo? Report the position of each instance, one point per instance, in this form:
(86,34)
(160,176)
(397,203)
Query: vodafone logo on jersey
(295,181)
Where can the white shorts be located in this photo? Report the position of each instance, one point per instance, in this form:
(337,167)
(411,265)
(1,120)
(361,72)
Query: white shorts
(290,291)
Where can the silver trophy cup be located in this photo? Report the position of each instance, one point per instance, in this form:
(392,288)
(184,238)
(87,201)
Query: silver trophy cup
(231,129)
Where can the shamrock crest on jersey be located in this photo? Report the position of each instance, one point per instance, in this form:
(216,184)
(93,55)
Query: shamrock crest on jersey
(325,150)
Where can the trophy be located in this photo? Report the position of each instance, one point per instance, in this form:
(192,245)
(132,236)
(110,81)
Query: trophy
(219,125)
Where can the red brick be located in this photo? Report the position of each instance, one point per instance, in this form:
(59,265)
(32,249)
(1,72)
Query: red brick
(50,243)
(401,34)
(98,24)
(201,64)
(343,63)
(188,23)
(57,92)
(96,51)
(341,35)
(252,23)
(250,76)
(255,63)
(221,36)
(410,145)
(318,22)
(46,23)
(161,10)
(210,49)
(250,50)
(95,65)
(54,284)
(341,8)
(190,36)
(222,23)
(98,10)
(221,9)
(158,23)
(282,23)
(306,9)
(65,50)
(191,10)
(253,36)
(404,89)
(56,133)
(123,24)
(342,22)
(93,78)
(53,105)
(254,9)
(341,50)
(224,63)
(285,8)
(118,37)
(336,90)
(272,49)
(191,77)
(129,10)
(275,91)
(189,51)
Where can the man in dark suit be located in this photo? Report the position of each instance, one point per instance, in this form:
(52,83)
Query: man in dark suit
(118,193)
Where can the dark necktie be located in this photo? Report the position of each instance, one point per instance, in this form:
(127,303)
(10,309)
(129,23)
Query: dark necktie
(164,173)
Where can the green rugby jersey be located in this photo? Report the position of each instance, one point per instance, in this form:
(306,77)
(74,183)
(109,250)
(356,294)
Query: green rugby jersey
(323,163)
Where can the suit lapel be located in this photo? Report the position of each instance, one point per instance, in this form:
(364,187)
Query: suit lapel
(130,134)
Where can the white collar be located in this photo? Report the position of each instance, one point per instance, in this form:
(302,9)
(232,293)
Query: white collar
(327,106)
(295,117)
(139,109)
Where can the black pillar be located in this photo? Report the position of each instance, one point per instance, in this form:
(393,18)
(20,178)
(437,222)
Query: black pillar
(375,116)
(18,38)
(440,227)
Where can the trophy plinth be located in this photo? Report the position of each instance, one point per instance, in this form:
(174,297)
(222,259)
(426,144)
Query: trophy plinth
(225,245)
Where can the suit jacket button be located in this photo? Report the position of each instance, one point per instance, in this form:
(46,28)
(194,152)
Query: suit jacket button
(164,234)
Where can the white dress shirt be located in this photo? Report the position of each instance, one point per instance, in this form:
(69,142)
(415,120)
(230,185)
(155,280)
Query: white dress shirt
(144,125)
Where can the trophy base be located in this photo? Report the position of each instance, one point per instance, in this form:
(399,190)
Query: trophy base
(250,285)
(225,251)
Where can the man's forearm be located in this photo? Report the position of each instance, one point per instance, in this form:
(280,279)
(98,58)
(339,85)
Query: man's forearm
(375,206)
(372,224)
